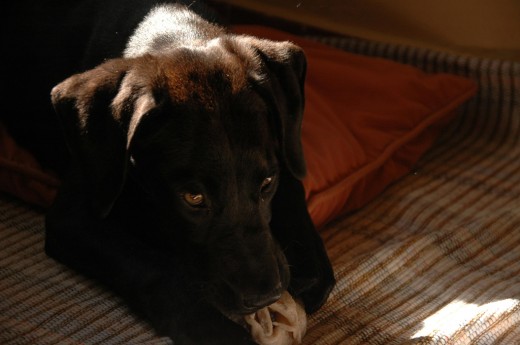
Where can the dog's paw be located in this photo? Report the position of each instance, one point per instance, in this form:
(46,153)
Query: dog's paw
(312,276)
(315,296)
(313,285)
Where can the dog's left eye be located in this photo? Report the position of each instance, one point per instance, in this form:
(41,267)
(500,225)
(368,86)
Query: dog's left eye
(194,199)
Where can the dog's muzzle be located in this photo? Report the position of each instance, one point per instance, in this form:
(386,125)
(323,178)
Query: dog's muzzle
(251,283)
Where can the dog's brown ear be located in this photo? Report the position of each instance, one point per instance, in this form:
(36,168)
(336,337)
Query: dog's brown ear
(285,65)
(99,111)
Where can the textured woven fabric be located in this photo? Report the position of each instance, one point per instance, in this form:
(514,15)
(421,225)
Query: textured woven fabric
(436,259)
(433,260)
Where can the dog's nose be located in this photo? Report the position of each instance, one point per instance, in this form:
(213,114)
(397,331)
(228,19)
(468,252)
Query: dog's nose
(260,301)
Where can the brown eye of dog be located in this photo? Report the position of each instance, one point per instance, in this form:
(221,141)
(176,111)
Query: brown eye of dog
(266,183)
(194,200)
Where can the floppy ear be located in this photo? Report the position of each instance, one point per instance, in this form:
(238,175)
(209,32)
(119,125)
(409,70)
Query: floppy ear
(99,111)
(285,66)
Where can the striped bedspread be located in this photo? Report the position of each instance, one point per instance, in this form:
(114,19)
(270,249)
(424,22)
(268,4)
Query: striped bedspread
(436,258)
(433,260)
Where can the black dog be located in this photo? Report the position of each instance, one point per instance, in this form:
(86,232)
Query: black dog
(182,191)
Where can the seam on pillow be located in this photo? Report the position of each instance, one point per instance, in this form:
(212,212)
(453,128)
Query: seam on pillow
(350,179)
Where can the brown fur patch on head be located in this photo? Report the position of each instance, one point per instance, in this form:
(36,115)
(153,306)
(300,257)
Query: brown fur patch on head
(201,74)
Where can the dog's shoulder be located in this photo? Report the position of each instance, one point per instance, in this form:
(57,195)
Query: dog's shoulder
(134,27)
(169,25)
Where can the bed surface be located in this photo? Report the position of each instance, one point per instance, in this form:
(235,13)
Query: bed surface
(435,259)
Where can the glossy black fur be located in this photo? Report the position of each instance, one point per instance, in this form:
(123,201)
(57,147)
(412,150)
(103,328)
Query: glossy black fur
(214,116)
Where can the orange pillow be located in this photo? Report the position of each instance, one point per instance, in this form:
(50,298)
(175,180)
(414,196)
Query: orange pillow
(367,121)
(22,176)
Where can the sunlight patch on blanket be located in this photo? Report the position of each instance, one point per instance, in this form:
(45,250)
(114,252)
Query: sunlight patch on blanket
(457,315)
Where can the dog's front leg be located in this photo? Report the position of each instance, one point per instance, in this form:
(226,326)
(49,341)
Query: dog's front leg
(312,278)
(150,281)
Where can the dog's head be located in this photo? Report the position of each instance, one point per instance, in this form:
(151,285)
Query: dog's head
(205,131)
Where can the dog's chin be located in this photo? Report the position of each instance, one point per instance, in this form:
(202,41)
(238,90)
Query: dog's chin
(230,301)
(238,311)
(227,301)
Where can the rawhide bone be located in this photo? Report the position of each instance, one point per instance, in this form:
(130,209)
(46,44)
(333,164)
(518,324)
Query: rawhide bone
(281,323)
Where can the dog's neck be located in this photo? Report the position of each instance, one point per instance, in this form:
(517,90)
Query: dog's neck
(168,26)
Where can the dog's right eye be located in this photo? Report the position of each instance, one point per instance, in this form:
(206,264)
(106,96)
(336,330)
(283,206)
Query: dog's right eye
(194,199)
(267,184)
